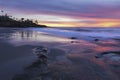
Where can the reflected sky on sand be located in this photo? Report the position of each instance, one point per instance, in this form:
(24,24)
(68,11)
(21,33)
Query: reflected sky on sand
(31,37)
(36,36)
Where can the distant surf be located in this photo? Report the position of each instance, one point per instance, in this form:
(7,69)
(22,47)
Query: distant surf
(82,32)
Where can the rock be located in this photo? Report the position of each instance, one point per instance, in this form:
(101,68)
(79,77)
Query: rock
(110,57)
(96,39)
(41,52)
(96,56)
(73,37)
(72,41)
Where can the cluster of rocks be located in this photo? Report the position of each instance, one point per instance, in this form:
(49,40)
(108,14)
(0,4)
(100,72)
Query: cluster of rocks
(111,56)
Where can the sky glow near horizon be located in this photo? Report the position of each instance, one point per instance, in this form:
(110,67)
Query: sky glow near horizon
(66,13)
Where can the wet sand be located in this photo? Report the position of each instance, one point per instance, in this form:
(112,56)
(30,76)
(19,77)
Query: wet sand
(69,61)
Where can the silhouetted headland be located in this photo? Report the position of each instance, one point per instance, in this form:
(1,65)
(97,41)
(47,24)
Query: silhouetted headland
(9,21)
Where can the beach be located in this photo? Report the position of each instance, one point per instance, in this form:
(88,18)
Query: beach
(71,55)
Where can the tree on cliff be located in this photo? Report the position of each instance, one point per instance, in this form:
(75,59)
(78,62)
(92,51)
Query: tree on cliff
(9,21)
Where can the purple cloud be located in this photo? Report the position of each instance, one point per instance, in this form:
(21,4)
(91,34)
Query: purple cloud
(71,8)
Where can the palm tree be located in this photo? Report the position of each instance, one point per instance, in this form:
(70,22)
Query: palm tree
(22,19)
(2,12)
(36,21)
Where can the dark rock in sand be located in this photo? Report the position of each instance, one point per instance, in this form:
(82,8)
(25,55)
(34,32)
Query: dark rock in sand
(109,52)
(96,56)
(72,42)
(41,53)
(117,39)
(73,37)
(96,39)
(115,52)
(110,57)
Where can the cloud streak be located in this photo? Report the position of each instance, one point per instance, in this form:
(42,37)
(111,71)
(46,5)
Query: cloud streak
(76,9)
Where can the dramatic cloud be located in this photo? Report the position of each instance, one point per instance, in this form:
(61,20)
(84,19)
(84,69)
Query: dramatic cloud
(80,11)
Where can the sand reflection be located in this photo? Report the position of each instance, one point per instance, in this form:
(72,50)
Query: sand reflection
(36,36)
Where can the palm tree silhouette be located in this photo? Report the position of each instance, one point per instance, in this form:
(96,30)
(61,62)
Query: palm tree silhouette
(2,12)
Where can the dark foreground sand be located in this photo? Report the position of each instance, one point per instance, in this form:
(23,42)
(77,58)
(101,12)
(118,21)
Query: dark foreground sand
(72,61)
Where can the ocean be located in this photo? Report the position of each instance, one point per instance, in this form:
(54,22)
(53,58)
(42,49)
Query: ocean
(113,33)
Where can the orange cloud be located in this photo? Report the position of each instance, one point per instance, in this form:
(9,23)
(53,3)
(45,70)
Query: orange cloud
(85,23)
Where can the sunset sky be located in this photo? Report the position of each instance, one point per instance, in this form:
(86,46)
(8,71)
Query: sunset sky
(66,13)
